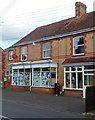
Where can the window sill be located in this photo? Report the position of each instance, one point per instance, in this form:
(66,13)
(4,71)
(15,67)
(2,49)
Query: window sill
(21,85)
(71,88)
(11,60)
(79,54)
(46,57)
(42,87)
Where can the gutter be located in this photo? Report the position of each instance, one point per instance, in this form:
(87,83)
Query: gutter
(78,64)
(57,36)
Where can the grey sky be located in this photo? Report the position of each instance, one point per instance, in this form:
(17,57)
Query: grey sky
(23,16)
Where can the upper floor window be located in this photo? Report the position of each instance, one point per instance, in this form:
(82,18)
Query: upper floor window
(24,53)
(46,50)
(11,55)
(78,45)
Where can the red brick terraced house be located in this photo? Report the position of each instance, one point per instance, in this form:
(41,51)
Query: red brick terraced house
(1,65)
(62,52)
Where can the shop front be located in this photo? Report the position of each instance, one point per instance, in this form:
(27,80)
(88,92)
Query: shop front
(38,76)
(77,76)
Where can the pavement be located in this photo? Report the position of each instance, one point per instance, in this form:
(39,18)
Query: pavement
(47,101)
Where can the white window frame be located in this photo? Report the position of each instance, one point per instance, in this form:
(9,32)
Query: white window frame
(10,55)
(70,72)
(22,53)
(77,45)
(45,50)
(77,71)
(18,73)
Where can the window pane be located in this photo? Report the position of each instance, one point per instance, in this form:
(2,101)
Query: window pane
(24,50)
(53,69)
(46,49)
(36,78)
(78,45)
(24,53)
(86,80)
(89,67)
(67,68)
(45,78)
(73,80)
(46,46)
(89,80)
(15,77)
(73,68)
(78,40)
(81,41)
(80,82)
(36,69)
(45,69)
(79,68)
(67,80)
(46,53)
(53,78)
(79,49)
(10,55)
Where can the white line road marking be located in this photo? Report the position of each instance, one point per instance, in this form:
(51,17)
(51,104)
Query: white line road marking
(5,117)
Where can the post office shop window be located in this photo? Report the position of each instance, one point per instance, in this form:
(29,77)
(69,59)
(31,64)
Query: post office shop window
(53,69)
(44,77)
(15,77)
(24,53)
(45,69)
(46,50)
(21,77)
(78,45)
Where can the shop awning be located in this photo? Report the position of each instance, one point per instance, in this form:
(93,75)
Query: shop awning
(75,61)
(34,64)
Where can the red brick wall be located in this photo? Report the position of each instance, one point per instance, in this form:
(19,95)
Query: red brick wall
(19,88)
(43,90)
(73,93)
(60,49)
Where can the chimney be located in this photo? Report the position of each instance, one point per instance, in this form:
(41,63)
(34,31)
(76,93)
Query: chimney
(80,9)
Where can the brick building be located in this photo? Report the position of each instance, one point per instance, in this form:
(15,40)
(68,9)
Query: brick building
(1,64)
(60,52)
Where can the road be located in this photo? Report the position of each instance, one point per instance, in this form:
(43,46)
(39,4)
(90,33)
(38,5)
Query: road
(31,105)
(15,110)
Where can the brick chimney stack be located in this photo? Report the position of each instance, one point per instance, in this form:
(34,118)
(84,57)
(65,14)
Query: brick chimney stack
(80,9)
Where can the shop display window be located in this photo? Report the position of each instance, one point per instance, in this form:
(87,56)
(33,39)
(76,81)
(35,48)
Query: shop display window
(44,77)
(15,77)
(36,78)
(41,77)
(77,75)
(21,77)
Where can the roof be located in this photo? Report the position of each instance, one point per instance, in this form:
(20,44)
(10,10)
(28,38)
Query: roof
(1,49)
(76,60)
(61,27)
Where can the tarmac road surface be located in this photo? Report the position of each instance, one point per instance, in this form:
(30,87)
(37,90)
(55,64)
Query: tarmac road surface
(33,105)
